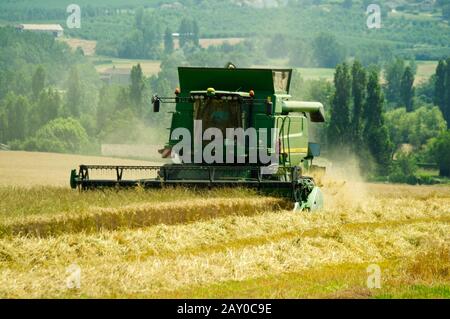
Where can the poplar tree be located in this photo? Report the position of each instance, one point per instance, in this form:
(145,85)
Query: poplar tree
(439,86)
(184,31)
(48,106)
(375,132)
(137,88)
(73,95)
(359,92)
(38,81)
(16,116)
(338,132)
(446,104)
(393,75)
(407,89)
(168,42)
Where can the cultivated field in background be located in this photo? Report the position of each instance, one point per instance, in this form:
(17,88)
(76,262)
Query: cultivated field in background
(425,69)
(33,169)
(149,67)
(88,46)
(206,43)
(223,243)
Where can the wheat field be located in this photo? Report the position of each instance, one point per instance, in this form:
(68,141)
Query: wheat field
(224,243)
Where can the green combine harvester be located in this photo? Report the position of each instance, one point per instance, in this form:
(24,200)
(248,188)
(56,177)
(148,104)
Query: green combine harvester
(255,105)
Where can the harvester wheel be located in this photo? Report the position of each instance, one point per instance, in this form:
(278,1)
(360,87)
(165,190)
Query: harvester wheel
(307,196)
(315,200)
(298,195)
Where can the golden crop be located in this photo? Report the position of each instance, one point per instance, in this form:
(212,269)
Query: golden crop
(148,245)
(225,243)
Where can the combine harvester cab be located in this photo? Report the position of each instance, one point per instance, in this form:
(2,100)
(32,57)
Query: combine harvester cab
(231,127)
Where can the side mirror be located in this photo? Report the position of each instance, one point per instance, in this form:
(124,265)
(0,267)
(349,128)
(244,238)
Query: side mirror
(156,101)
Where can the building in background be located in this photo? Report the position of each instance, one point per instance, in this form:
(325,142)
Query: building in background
(54,29)
(119,76)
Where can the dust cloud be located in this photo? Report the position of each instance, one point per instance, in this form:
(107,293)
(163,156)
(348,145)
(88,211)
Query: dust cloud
(343,184)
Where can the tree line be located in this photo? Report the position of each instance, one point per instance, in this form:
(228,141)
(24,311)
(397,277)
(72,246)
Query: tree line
(357,115)
(52,99)
(375,121)
(148,40)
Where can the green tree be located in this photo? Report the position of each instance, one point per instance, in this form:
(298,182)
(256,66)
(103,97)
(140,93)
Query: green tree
(300,54)
(137,87)
(17,108)
(425,90)
(73,94)
(185,32)
(121,128)
(442,88)
(375,131)
(359,87)
(38,81)
(446,12)
(105,106)
(132,46)
(407,89)
(3,127)
(168,71)
(338,131)
(423,124)
(393,74)
(151,36)
(446,104)
(142,42)
(195,34)
(48,106)
(327,50)
(139,17)
(277,47)
(168,42)
(79,51)
(347,4)
(60,136)
(439,85)
(123,100)
(441,152)
(404,169)
(320,91)
(416,127)
(189,33)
